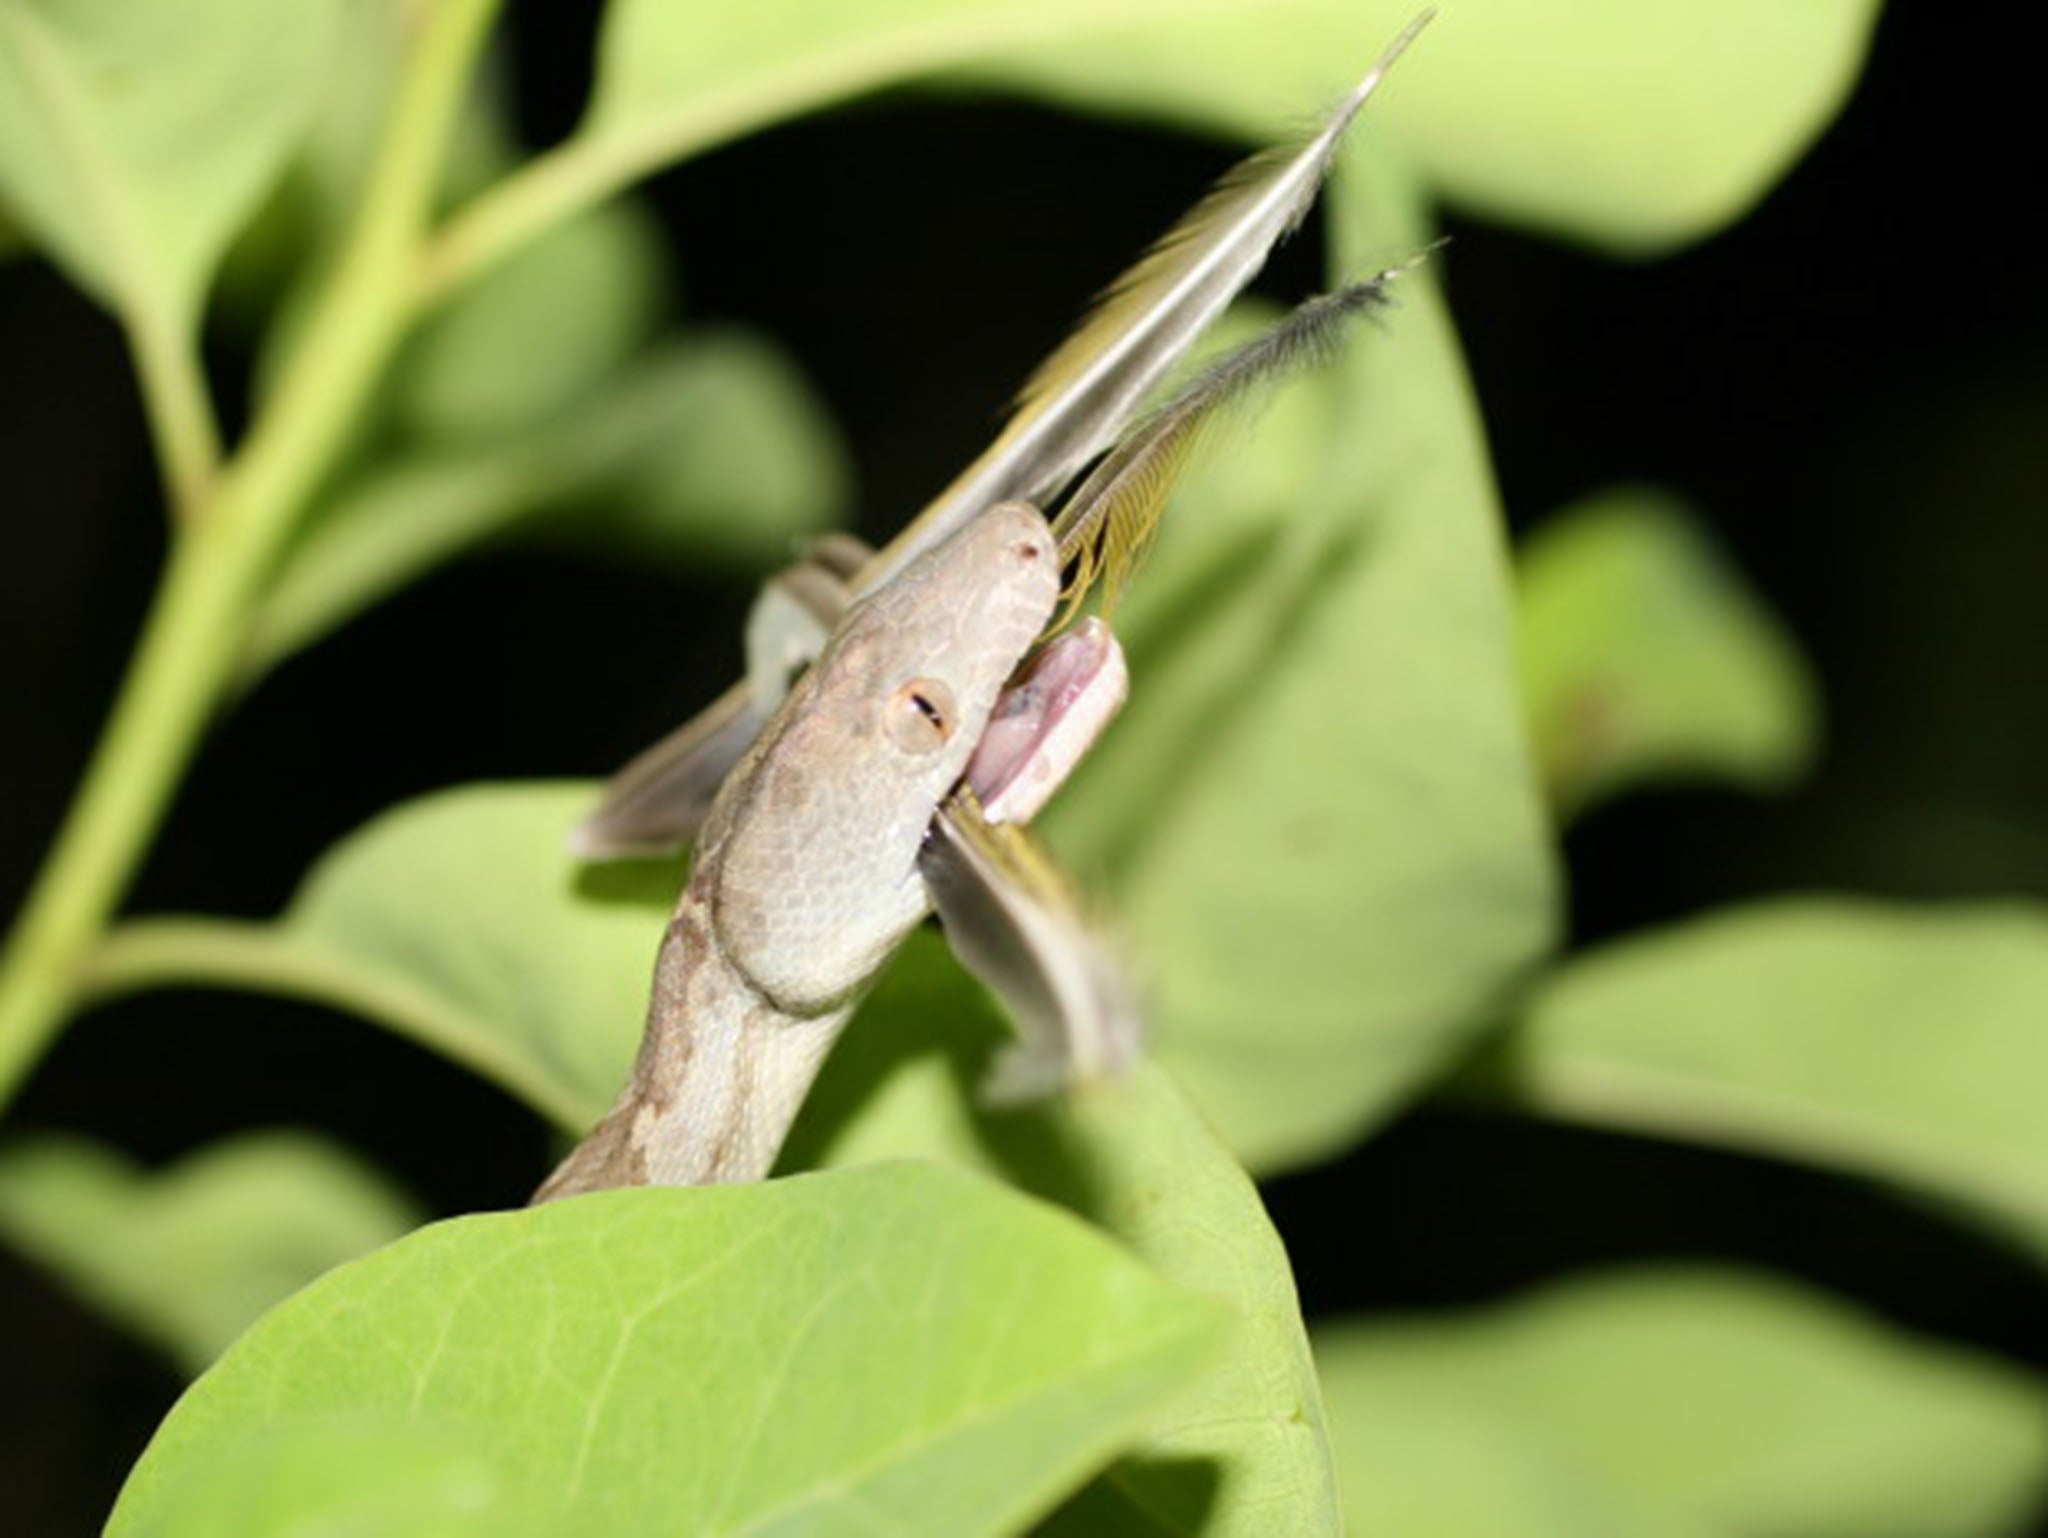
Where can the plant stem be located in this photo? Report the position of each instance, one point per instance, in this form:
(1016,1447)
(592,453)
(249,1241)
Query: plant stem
(216,569)
(146,741)
(180,415)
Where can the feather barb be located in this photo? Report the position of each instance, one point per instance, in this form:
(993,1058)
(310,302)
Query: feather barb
(1109,523)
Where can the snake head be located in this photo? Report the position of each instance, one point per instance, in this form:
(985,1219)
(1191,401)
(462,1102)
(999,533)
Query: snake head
(812,848)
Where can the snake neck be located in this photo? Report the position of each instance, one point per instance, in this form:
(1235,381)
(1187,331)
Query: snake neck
(720,1076)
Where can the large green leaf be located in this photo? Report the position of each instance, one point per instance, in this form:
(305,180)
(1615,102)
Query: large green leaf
(1243,1453)
(907,1349)
(1318,815)
(134,138)
(1645,656)
(711,449)
(188,1256)
(1906,1043)
(1678,1401)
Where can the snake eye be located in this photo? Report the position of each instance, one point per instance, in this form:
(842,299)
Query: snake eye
(920,716)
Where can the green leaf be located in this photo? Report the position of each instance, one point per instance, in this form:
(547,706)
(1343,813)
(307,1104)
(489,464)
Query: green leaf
(909,1349)
(1645,656)
(713,449)
(1900,1042)
(188,1256)
(461,921)
(1452,1474)
(134,139)
(1678,1400)
(738,461)
(538,334)
(1318,815)
(367,1475)
(1242,1453)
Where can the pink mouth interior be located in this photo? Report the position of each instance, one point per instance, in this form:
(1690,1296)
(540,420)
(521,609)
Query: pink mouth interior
(1046,719)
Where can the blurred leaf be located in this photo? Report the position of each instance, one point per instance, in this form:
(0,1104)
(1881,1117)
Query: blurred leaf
(713,449)
(134,139)
(537,333)
(1683,1400)
(189,1256)
(1243,1453)
(910,1349)
(1635,123)
(1891,1041)
(737,461)
(1448,1473)
(1645,656)
(1318,814)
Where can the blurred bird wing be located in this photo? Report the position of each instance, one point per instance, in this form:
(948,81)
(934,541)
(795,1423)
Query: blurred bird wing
(1013,920)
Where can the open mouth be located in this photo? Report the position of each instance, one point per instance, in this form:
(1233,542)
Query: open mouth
(1046,718)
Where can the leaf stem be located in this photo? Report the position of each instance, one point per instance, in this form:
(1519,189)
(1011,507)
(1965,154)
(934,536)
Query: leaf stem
(147,738)
(179,410)
(217,568)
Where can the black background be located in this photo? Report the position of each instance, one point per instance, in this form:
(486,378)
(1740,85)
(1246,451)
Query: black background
(1851,382)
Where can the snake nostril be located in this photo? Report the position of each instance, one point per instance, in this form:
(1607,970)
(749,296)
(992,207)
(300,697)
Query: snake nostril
(1028,551)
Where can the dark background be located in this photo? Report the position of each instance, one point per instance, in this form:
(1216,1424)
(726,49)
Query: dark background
(1850,382)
